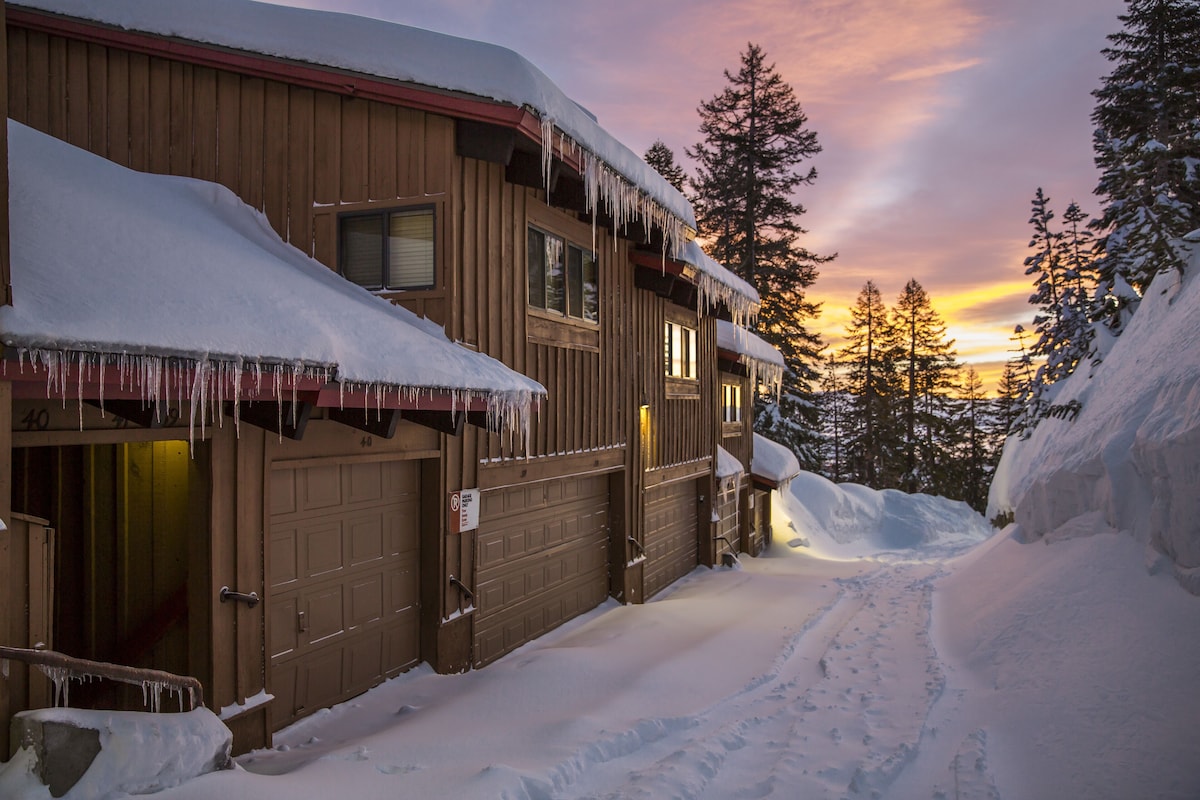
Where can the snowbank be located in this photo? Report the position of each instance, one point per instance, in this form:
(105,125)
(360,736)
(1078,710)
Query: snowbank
(852,521)
(1133,451)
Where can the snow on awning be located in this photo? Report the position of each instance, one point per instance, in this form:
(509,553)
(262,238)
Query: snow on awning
(719,286)
(728,465)
(167,279)
(616,178)
(772,464)
(763,362)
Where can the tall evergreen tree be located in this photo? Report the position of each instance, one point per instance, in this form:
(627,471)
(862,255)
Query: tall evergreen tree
(925,361)
(749,164)
(835,412)
(1147,146)
(872,382)
(662,158)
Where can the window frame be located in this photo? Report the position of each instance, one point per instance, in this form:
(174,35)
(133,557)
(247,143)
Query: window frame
(567,247)
(384,216)
(681,351)
(731,403)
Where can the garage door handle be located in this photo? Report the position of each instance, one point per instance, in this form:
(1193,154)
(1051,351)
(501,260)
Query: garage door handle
(228,594)
(302,621)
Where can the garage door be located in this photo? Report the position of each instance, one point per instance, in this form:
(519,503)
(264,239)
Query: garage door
(542,559)
(671,540)
(343,586)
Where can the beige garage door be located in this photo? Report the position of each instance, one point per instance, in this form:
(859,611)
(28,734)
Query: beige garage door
(671,535)
(343,581)
(542,559)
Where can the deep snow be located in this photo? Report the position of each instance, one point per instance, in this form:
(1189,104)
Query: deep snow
(946,667)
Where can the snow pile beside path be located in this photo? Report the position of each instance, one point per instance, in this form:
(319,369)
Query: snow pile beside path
(852,521)
(1076,663)
(1133,451)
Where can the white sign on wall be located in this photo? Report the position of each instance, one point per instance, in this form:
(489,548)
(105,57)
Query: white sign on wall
(464,510)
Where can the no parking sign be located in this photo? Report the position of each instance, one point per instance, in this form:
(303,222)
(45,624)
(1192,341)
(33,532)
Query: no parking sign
(464,510)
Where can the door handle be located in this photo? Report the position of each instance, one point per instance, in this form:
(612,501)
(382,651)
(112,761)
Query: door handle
(302,621)
(228,594)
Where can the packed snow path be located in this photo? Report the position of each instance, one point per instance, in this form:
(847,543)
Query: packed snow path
(840,712)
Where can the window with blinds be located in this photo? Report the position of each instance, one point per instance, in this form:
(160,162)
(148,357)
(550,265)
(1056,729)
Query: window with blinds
(389,249)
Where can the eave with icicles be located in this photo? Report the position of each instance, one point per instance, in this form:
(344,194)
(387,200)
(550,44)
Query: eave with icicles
(123,299)
(744,352)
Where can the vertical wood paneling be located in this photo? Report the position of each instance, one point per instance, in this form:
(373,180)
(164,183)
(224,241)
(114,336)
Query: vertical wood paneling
(438,144)
(116,100)
(470,253)
(17,74)
(327,143)
(381,152)
(159,159)
(181,127)
(253,105)
(229,128)
(275,155)
(354,150)
(56,99)
(77,125)
(96,98)
(139,112)
(204,137)
(300,170)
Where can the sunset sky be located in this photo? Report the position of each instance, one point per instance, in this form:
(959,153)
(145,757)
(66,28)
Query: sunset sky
(938,118)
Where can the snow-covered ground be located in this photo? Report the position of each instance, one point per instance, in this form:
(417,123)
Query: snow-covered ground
(947,665)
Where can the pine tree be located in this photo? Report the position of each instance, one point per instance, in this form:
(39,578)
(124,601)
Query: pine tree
(926,362)
(1147,146)
(974,465)
(835,410)
(872,382)
(749,165)
(662,158)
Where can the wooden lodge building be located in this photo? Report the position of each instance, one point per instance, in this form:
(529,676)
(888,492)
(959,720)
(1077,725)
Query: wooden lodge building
(381,516)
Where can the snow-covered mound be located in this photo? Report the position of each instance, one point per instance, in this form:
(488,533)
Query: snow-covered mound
(1133,451)
(849,520)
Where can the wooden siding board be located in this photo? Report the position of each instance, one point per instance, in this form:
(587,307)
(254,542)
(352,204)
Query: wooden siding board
(439,154)
(140,136)
(326,149)
(205,132)
(56,122)
(253,105)
(275,156)
(300,177)
(181,127)
(77,127)
(470,250)
(354,150)
(96,105)
(116,100)
(159,106)
(18,75)
(229,128)
(381,152)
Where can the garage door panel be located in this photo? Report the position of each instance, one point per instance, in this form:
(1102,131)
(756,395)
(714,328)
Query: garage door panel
(344,552)
(671,540)
(321,549)
(542,557)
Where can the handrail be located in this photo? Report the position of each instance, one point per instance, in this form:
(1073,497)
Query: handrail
(641,550)
(732,550)
(462,587)
(250,599)
(81,667)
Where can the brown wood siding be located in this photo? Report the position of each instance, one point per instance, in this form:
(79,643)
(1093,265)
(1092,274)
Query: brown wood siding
(736,437)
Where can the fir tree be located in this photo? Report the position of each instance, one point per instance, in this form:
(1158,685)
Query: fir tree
(835,410)
(926,362)
(871,382)
(662,158)
(1147,146)
(750,160)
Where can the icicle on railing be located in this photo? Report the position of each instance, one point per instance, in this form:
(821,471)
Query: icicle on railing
(61,669)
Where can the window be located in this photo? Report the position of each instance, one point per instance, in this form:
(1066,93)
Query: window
(681,351)
(731,402)
(388,250)
(562,277)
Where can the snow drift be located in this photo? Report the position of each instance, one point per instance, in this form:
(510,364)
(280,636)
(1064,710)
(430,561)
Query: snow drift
(1133,451)
(852,521)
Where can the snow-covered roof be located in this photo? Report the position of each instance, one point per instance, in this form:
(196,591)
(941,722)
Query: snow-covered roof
(719,285)
(728,464)
(772,462)
(762,360)
(111,262)
(628,187)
